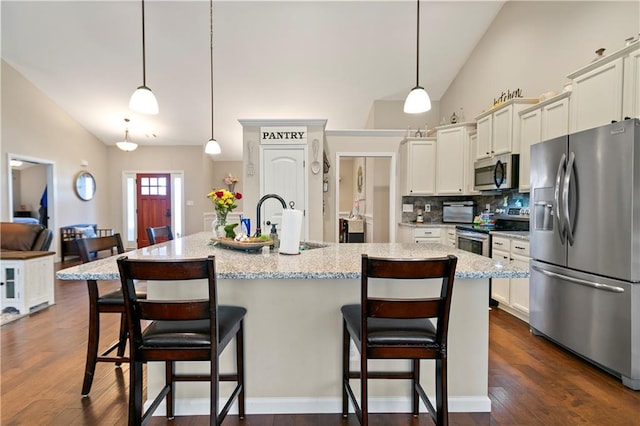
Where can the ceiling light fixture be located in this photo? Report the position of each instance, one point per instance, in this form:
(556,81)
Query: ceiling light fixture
(418,99)
(15,163)
(143,100)
(126,144)
(212,147)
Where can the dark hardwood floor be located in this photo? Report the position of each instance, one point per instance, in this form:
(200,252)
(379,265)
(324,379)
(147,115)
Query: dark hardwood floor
(531,381)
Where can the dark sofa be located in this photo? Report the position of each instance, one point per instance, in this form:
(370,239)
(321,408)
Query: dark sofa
(24,237)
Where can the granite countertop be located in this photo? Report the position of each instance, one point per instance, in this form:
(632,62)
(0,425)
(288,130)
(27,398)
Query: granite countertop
(428,225)
(335,261)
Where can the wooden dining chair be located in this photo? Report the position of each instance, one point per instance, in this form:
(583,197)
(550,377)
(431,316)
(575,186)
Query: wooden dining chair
(181,330)
(388,328)
(91,249)
(159,234)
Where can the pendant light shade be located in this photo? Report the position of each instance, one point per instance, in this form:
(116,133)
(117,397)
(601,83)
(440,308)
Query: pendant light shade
(418,100)
(212,147)
(143,100)
(126,144)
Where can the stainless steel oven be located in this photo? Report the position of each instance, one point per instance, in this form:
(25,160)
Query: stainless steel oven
(474,242)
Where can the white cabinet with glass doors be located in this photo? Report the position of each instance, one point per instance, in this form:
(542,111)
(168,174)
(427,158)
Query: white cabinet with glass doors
(26,284)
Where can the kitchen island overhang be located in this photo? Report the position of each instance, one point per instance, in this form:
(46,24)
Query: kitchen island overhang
(293,326)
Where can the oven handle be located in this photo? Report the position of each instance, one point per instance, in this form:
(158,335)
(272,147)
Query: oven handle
(473,237)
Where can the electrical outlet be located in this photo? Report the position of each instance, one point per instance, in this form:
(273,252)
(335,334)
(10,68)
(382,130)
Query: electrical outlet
(427,208)
(487,207)
(407,208)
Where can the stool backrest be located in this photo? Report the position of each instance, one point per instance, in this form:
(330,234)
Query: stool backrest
(132,270)
(409,308)
(159,234)
(91,249)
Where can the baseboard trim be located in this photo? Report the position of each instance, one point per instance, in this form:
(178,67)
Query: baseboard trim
(200,406)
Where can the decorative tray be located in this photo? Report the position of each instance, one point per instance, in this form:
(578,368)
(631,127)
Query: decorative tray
(241,245)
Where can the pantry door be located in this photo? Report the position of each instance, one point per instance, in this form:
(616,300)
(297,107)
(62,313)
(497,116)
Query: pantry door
(153,198)
(283,173)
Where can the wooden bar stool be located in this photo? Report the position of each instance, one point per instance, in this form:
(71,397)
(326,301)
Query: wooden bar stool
(159,234)
(181,330)
(91,249)
(386,328)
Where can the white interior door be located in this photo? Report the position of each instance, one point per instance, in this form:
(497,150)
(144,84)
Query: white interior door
(283,170)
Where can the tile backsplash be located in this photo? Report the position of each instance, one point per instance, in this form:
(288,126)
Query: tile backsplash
(499,200)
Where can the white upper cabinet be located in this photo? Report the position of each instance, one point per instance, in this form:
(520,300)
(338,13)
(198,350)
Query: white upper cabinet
(484,135)
(470,158)
(418,166)
(555,117)
(451,167)
(546,120)
(606,90)
(499,128)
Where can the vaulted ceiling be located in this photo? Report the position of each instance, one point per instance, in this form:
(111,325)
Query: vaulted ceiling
(272,60)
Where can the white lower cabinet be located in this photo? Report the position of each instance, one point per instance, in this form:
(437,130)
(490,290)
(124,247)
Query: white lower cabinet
(449,237)
(26,284)
(512,294)
(426,235)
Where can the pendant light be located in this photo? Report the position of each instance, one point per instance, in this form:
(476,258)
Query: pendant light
(126,144)
(143,100)
(418,100)
(212,147)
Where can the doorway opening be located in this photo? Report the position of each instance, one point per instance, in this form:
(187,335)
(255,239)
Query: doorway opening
(369,178)
(31,190)
(170,210)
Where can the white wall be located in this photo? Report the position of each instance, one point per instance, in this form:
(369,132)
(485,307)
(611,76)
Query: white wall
(534,45)
(358,142)
(33,126)
(389,114)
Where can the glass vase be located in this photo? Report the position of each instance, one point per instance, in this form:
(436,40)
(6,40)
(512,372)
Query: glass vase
(219,223)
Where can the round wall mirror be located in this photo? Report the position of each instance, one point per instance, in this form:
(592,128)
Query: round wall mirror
(85,186)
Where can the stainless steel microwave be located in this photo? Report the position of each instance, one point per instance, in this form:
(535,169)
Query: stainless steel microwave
(499,172)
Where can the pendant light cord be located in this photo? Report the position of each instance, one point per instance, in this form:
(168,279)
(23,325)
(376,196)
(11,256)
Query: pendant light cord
(417,42)
(144,60)
(211,51)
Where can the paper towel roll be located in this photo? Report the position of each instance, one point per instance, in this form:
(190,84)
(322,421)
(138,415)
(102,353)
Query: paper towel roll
(291,229)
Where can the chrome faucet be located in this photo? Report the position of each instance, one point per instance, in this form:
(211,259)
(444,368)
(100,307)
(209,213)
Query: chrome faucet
(262,200)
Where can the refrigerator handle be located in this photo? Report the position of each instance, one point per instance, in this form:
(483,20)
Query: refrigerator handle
(565,195)
(599,286)
(556,197)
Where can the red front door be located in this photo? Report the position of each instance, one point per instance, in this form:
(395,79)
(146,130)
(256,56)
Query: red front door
(153,196)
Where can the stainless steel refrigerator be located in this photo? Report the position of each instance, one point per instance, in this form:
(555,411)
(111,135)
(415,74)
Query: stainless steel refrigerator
(585,245)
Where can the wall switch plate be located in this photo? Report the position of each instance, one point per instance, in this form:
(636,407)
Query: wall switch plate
(407,208)
(487,207)
(427,208)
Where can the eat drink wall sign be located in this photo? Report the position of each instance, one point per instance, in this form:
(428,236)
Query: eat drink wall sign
(283,135)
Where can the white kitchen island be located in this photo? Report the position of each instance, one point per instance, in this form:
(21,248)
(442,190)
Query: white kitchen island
(293,328)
